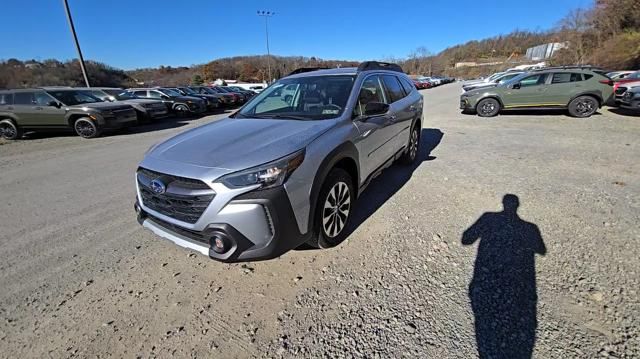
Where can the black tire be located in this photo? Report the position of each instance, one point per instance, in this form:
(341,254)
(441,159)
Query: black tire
(9,130)
(86,128)
(332,219)
(409,156)
(583,106)
(489,107)
(181,110)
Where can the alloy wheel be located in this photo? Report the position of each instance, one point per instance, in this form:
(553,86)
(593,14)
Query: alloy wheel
(7,131)
(85,129)
(413,145)
(585,106)
(337,207)
(487,108)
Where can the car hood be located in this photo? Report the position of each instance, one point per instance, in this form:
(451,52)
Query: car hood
(187,98)
(235,144)
(110,106)
(140,101)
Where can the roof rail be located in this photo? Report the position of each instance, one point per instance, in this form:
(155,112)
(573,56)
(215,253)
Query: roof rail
(590,67)
(377,65)
(306,69)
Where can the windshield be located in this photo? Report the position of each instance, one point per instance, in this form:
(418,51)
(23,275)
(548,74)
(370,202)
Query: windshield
(514,80)
(304,98)
(188,91)
(74,97)
(120,95)
(635,75)
(170,92)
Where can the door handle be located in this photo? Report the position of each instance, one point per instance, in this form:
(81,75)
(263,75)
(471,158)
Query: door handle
(9,107)
(38,108)
(393,117)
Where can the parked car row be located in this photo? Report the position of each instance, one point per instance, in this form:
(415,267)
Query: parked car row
(91,111)
(424,82)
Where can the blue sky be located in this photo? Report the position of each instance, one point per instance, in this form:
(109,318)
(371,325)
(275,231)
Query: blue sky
(145,33)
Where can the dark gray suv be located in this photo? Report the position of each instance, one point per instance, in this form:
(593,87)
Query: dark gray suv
(55,108)
(278,173)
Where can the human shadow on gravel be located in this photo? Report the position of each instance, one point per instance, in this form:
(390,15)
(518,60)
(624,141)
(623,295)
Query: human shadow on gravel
(389,182)
(503,289)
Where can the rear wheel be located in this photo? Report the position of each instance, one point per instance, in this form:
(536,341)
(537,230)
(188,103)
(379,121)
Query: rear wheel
(333,210)
(9,130)
(86,128)
(583,106)
(410,155)
(488,107)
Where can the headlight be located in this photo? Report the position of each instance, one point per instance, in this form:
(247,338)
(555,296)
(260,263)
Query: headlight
(269,175)
(636,95)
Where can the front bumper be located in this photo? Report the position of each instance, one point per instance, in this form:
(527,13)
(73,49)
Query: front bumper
(464,103)
(120,120)
(257,225)
(631,105)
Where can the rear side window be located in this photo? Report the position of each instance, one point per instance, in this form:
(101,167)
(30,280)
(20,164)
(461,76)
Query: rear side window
(393,87)
(565,77)
(406,85)
(23,98)
(6,99)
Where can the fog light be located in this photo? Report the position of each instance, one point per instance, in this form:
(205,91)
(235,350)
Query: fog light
(219,244)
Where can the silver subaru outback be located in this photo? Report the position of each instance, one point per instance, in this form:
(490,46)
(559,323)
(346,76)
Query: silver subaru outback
(283,170)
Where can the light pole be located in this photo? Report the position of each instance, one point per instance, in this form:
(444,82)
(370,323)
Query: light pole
(267,15)
(75,38)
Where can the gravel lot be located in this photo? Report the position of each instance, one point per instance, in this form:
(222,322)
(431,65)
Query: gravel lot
(435,266)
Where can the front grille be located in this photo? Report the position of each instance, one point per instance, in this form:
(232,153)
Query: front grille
(185,199)
(621,90)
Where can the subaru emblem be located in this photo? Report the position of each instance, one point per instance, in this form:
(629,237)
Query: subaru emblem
(157,186)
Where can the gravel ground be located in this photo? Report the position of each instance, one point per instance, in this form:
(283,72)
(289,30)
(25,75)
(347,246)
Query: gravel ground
(513,236)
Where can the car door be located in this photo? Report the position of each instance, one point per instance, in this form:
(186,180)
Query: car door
(529,92)
(24,106)
(49,115)
(402,112)
(374,143)
(564,87)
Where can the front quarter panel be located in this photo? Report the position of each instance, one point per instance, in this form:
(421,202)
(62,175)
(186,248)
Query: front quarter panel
(304,183)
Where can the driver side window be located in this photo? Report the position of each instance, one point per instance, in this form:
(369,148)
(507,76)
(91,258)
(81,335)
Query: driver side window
(533,80)
(371,91)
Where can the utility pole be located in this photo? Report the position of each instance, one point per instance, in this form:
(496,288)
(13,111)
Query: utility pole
(75,38)
(267,15)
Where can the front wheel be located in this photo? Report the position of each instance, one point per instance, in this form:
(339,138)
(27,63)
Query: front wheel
(86,128)
(333,210)
(489,107)
(9,130)
(583,106)
(182,110)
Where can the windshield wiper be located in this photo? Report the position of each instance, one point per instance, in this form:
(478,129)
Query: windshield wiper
(285,117)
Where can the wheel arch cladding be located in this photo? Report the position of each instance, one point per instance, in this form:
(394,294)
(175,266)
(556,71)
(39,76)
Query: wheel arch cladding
(73,117)
(345,157)
(492,97)
(595,94)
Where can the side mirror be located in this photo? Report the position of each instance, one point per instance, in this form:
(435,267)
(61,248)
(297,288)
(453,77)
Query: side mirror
(516,86)
(375,109)
(54,104)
